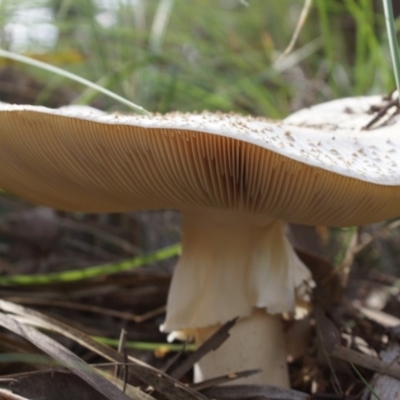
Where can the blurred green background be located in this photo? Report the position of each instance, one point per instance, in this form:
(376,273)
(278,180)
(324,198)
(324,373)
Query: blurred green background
(186,55)
(194,55)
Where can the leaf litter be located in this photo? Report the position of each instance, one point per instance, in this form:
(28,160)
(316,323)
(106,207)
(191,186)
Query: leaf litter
(341,349)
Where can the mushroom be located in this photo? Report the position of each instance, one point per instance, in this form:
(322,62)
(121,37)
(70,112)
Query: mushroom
(236,180)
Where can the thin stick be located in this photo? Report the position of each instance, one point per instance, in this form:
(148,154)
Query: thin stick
(301,21)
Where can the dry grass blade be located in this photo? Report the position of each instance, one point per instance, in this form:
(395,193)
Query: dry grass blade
(343,269)
(300,23)
(380,317)
(64,356)
(43,321)
(174,360)
(133,392)
(386,387)
(6,395)
(77,226)
(254,392)
(162,383)
(365,361)
(354,248)
(331,347)
(60,385)
(52,384)
(219,380)
(328,337)
(167,386)
(89,308)
(393,225)
(119,370)
(212,343)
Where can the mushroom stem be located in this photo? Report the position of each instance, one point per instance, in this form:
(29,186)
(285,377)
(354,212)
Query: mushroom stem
(255,342)
(231,262)
(234,261)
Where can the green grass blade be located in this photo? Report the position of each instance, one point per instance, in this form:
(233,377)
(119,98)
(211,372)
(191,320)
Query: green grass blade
(160,24)
(393,45)
(51,68)
(357,372)
(92,272)
(145,345)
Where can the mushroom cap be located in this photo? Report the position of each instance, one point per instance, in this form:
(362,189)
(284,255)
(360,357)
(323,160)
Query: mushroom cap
(315,167)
